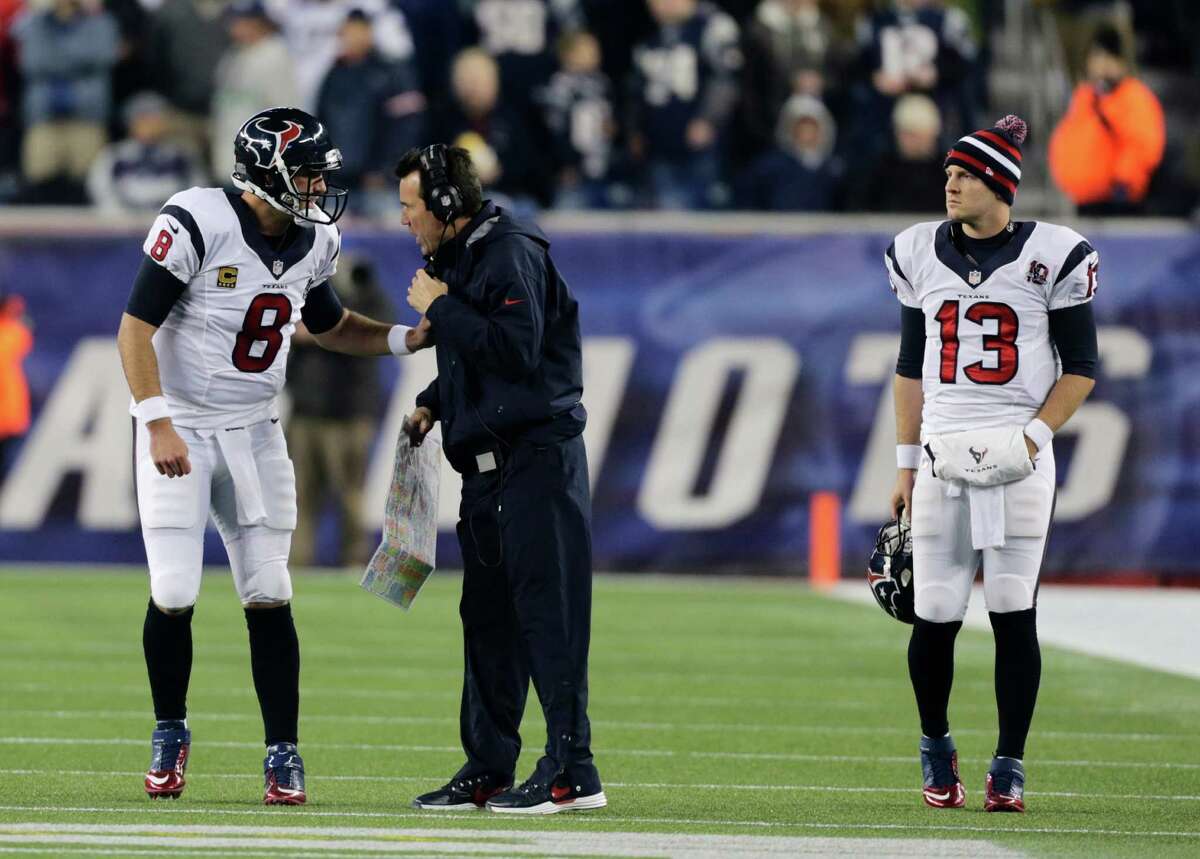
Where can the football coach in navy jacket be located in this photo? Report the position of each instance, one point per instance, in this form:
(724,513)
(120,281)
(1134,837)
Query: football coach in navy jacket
(506,330)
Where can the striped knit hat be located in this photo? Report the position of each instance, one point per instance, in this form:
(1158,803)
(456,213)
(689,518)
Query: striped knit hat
(994,155)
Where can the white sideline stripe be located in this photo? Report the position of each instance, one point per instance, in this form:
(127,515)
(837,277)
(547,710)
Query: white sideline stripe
(814,788)
(646,753)
(602,817)
(759,727)
(436,842)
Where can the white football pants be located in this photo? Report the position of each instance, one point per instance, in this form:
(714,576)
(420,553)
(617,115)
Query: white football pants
(945,560)
(242,476)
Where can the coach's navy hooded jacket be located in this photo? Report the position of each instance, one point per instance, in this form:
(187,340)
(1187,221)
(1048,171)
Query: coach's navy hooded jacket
(508,344)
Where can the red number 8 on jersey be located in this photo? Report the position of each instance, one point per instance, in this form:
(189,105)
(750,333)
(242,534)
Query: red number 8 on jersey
(255,329)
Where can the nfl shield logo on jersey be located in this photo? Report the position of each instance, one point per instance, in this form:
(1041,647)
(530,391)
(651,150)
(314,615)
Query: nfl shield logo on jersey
(975,277)
(277,267)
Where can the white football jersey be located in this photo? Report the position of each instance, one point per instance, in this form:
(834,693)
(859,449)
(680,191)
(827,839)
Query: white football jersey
(222,350)
(989,360)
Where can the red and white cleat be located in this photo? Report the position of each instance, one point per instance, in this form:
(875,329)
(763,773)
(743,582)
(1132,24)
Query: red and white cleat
(168,761)
(939,764)
(1005,786)
(283,776)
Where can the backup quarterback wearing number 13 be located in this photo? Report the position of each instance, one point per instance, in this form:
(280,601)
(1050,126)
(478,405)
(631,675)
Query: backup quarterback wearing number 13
(225,280)
(990,310)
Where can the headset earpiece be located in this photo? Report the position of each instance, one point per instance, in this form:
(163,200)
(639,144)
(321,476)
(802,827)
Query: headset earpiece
(445,200)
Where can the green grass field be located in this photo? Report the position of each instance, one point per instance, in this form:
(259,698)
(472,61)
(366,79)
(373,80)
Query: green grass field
(742,708)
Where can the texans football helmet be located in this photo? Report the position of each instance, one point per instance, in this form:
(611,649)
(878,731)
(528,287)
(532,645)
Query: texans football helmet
(890,571)
(275,145)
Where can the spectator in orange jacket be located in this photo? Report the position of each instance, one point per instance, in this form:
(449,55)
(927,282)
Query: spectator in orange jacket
(15,343)
(1105,150)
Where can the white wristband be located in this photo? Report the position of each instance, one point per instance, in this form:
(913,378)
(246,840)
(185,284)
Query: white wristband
(396,340)
(1039,433)
(908,456)
(152,409)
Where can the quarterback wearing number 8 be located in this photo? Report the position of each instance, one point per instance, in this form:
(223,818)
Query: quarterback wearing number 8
(225,280)
(997,351)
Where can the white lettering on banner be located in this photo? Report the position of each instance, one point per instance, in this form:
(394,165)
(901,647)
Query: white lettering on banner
(666,499)
(1102,429)
(84,427)
(606,365)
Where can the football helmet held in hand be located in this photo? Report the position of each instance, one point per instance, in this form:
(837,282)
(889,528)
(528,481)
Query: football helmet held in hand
(890,571)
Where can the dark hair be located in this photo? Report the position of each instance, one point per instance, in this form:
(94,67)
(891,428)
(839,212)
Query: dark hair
(460,170)
(1107,38)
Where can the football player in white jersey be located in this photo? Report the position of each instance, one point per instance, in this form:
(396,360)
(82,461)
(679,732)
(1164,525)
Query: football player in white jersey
(991,309)
(225,280)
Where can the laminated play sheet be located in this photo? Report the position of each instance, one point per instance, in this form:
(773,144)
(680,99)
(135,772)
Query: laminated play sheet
(405,558)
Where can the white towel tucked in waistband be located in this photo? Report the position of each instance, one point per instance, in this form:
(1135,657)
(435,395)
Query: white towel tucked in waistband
(238,451)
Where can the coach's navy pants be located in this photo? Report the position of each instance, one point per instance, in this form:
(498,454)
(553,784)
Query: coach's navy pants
(525,533)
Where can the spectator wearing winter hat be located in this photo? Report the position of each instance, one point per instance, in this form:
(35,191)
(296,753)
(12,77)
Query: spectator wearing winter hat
(801,173)
(139,173)
(909,177)
(1104,152)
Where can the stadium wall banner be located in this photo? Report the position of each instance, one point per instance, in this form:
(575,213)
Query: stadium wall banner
(728,379)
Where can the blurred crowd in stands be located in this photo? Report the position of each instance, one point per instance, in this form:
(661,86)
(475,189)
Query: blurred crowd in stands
(783,105)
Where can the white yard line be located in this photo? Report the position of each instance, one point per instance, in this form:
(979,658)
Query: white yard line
(434,779)
(329,842)
(617,752)
(1147,627)
(601,818)
(451,720)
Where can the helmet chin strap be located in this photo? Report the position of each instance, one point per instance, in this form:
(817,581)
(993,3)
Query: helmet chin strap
(298,219)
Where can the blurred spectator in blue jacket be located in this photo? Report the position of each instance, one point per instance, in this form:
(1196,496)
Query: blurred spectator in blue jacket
(503,146)
(801,174)
(914,46)
(67,48)
(139,173)
(521,36)
(375,110)
(254,74)
(310,28)
(684,90)
(579,115)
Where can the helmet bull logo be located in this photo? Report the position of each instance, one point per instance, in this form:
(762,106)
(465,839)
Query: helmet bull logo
(283,139)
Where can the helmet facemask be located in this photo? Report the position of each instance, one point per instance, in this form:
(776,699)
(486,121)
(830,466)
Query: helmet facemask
(306,207)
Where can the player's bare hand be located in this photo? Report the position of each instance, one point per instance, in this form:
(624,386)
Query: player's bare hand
(417,425)
(423,290)
(902,494)
(1031,446)
(420,337)
(168,451)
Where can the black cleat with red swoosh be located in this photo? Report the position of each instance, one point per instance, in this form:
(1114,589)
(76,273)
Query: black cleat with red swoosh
(540,795)
(463,794)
